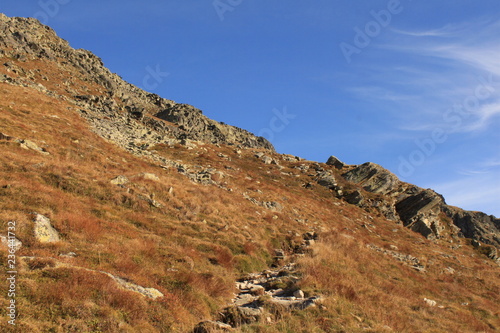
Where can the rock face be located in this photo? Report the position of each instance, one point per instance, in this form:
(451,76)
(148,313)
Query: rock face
(326,179)
(27,39)
(373,178)
(198,127)
(476,225)
(421,210)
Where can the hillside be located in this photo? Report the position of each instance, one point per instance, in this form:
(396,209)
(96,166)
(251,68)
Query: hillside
(134,213)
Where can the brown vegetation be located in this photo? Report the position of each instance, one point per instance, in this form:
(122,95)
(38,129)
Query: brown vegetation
(197,242)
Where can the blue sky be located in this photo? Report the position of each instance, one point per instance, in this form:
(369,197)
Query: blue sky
(411,85)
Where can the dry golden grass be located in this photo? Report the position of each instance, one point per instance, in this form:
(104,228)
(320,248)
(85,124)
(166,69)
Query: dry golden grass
(202,238)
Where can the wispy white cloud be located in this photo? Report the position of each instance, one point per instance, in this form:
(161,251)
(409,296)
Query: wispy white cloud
(425,33)
(483,117)
(380,93)
(491,163)
(470,44)
(436,70)
(486,166)
(472,172)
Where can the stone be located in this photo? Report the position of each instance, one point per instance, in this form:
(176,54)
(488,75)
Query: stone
(259,154)
(354,198)
(244,299)
(310,235)
(149,176)
(489,251)
(449,270)
(310,242)
(273,206)
(119,180)
(422,210)
(475,225)
(327,180)
(250,314)
(419,212)
(335,162)
(290,158)
(299,304)
(430,302)
(44,232)
(30,145)
(267,160)
(279,253)
(195,126)
(298,294)
(257,290)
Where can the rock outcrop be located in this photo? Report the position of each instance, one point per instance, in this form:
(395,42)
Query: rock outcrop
(334,161)
(195,126)
(373,178)
(475,225)
(421,210)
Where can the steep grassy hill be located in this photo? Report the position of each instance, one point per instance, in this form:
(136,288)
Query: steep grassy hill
(133,213)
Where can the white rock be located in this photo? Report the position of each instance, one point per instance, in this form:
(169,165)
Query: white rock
(44,232)
(430,302)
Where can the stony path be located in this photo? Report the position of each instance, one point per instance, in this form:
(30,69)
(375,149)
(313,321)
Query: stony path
(259,292)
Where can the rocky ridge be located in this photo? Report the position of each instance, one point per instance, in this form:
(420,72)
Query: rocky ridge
(422,210)
(121,103)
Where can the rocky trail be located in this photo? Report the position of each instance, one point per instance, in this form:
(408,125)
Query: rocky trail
(260,296)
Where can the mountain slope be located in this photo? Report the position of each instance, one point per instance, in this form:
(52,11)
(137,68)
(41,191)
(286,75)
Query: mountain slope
(155,211)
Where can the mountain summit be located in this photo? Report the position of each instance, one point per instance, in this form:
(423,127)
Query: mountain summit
(123,211)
